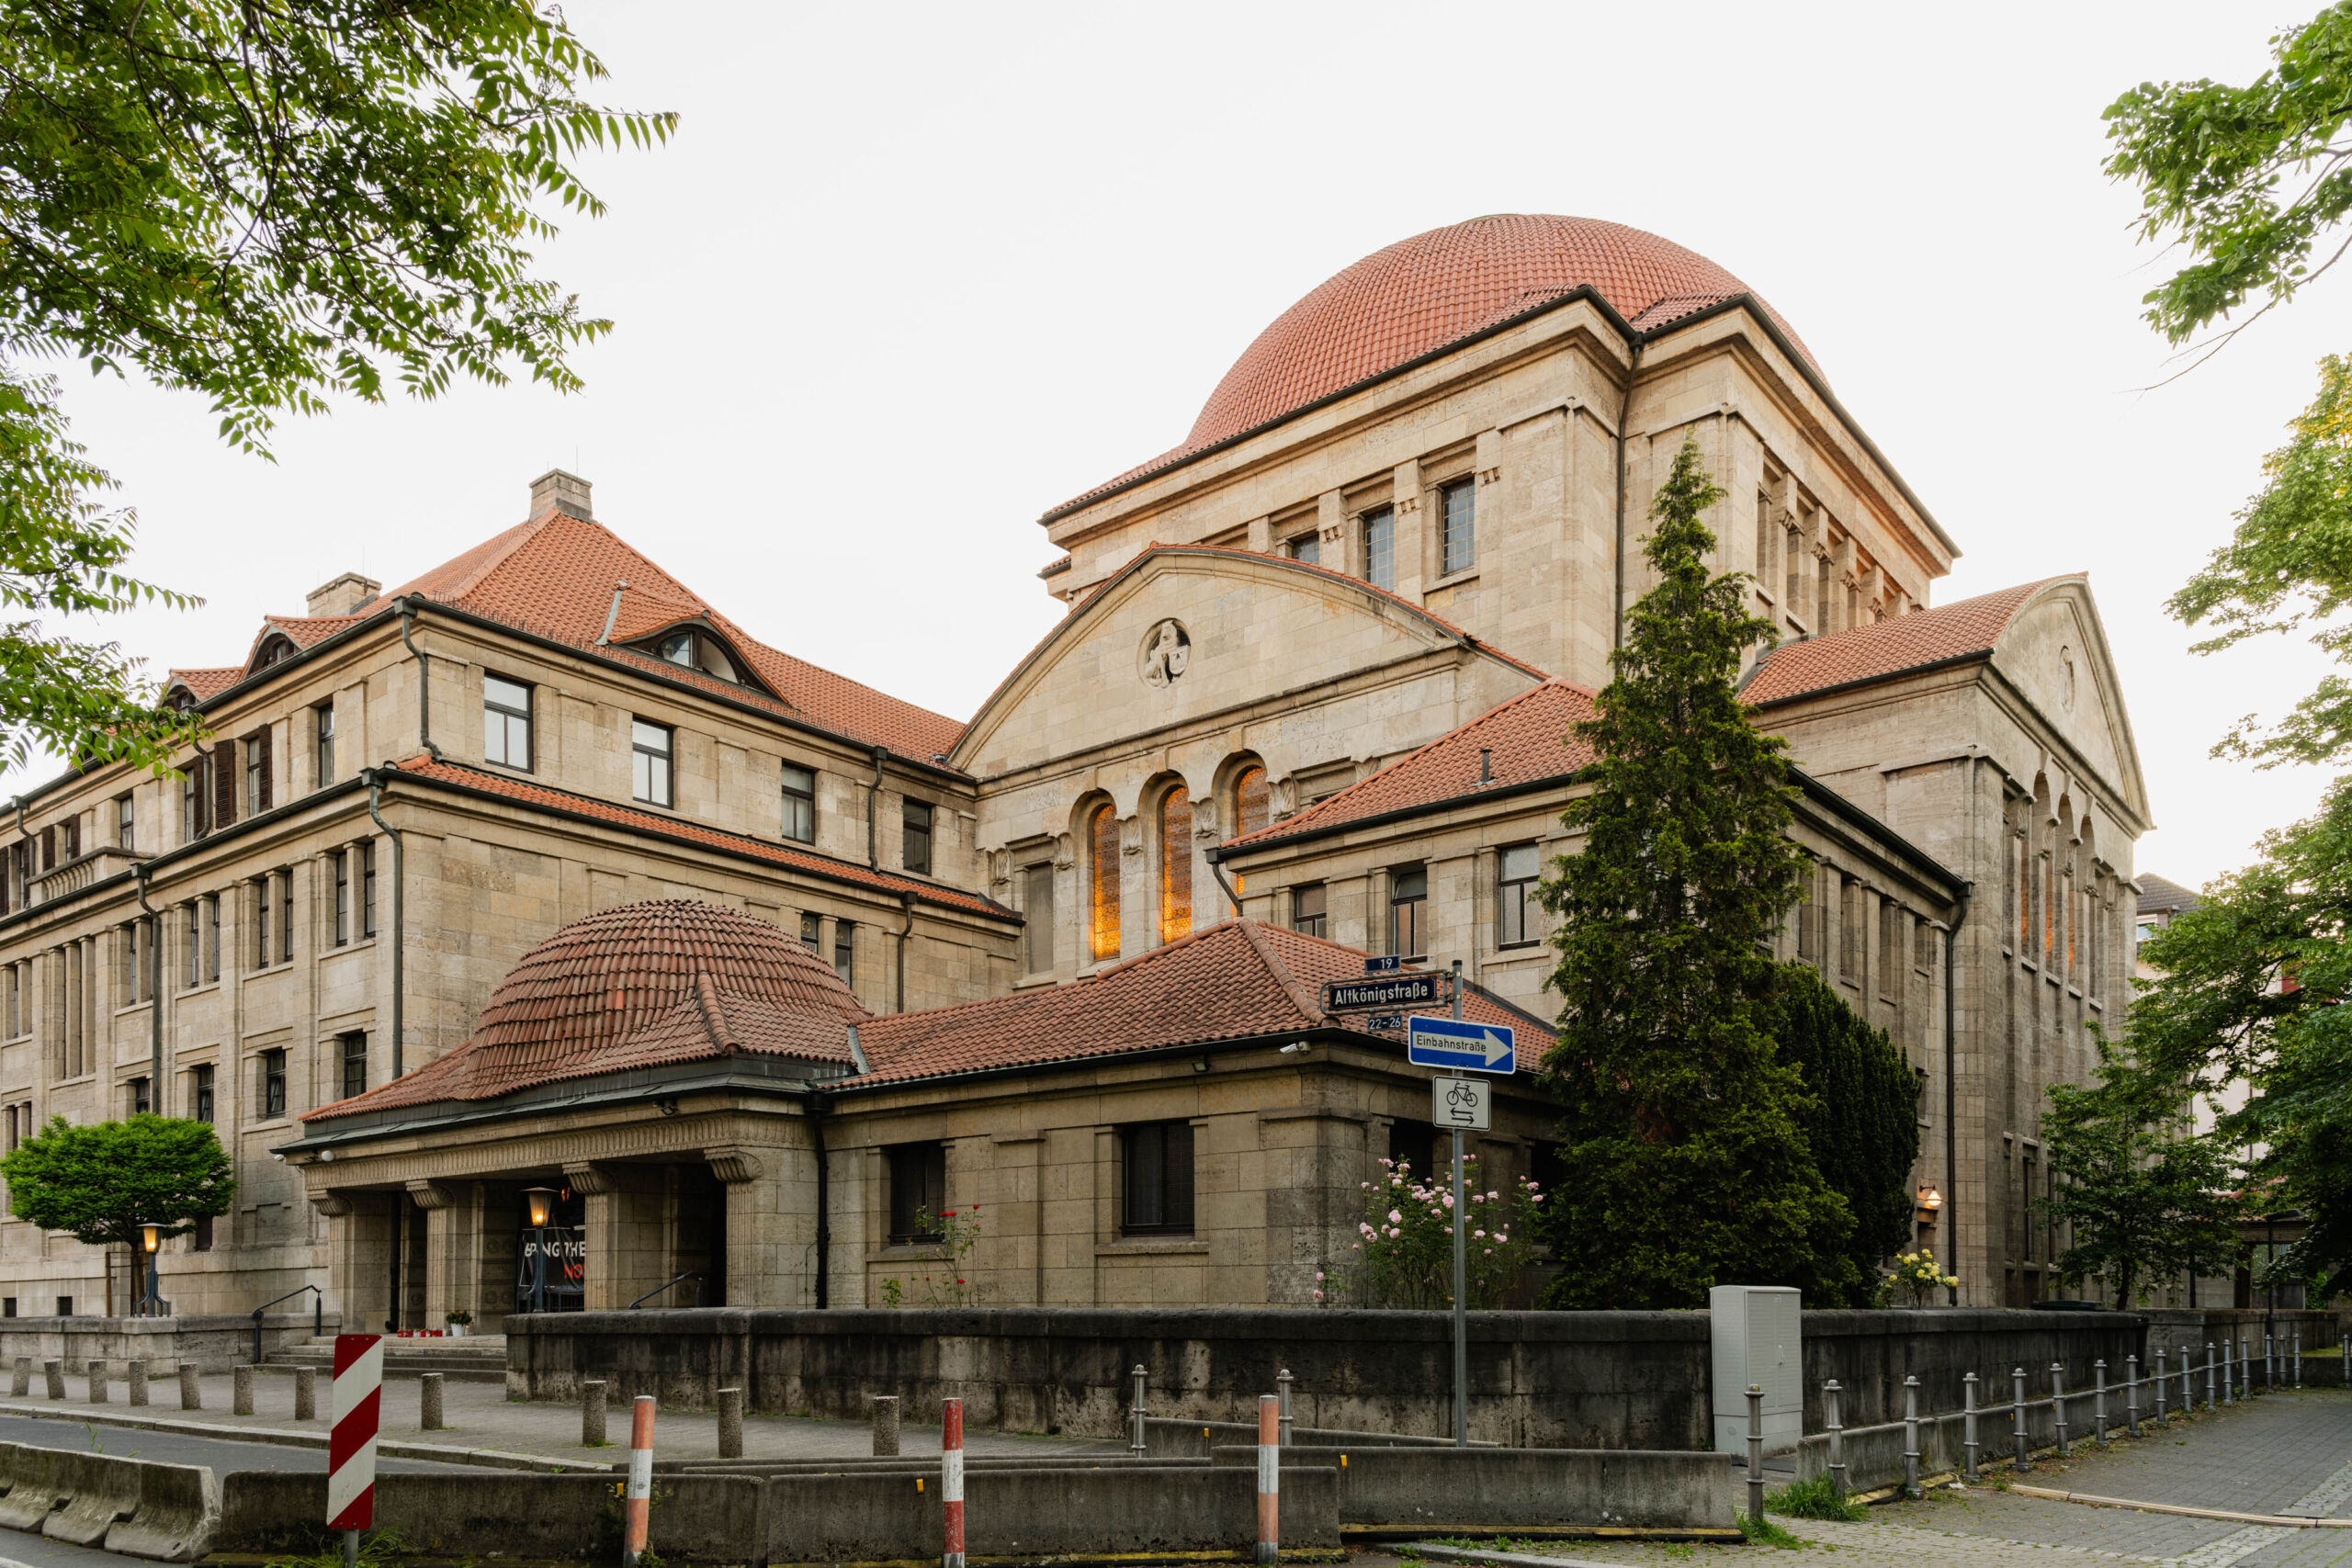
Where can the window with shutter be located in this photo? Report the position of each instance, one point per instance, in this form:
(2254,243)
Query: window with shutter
(224,784)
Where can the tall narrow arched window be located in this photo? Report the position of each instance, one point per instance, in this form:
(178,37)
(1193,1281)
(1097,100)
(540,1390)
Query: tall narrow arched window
(1253,807)
(1103,908)
(1175,864)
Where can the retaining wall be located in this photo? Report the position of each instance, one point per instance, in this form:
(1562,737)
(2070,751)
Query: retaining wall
(714,1518)
(213,1343)
(1454,1491)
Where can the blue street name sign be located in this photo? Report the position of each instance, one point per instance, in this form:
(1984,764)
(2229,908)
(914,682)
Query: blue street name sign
(1464,1047)
(1383,964)
(1396,990)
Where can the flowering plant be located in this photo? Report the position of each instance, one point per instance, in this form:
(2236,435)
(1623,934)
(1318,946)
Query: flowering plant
(1916,1276)
(958,1231)
(1403,1253)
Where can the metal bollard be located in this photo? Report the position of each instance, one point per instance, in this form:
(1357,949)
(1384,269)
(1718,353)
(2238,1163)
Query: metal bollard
(2245,1366)
(241,1391)
(1270,1481)
(2058,1404)
(1135,1444)
(2158,1383)
(594,1401)
(2016,1409)
(1910,1437)
(637,1500)
(2098,1403)
(1282,1403)
(2344,1349)
(886,1426)
(1837,1430)
(1756,1452)
(306,1393)
(52,1376)
(1968,1427)
(2270,1366)
(730,1423)
(2132,1396)
(2188,1383)
(429,1415)
(2210,1372)
(20,1378)
(191,1387)
(97,1371)
(2298,1357)
(137,1373)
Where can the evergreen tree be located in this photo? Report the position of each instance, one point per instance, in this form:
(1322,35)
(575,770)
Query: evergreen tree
(1683,1135)
(1864,1125)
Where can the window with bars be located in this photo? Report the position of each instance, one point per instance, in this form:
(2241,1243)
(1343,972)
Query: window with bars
(914,836)
(799,803)
(649,763)
(1308,910)
(1102,875)
(1517,913)
(918,1192)
(1175,864)
(1458,515)
(1158,1179)
(1409,902)
(1037,914)
(506,722)
(1380,546)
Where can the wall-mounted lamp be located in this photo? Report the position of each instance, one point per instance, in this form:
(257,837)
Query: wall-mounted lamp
(1929,1202)
(1200,1064)
(542,1203)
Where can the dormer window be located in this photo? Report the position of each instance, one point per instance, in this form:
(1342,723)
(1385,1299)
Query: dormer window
(277,650)
(690,647)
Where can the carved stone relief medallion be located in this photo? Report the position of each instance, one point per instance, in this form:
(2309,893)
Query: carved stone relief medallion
(1167,652)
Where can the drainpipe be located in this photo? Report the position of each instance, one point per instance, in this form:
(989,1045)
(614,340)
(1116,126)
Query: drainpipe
(906,901)
(1951,1091)
(155,987)
(1217,870)
(423,728)
(1625,413)
(375,781)
(818,1104)
(872,794)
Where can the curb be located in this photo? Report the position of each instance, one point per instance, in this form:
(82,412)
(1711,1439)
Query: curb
(494,1458)
(2276,1521)
(1437,1552)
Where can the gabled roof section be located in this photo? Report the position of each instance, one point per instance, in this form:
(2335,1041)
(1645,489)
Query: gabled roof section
(1526,741)
(1947,633)
(203,684)
(2160,896)
(1239,980)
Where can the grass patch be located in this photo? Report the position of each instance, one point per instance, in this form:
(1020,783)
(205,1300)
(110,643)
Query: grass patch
(1813,1499)
(1764,1532)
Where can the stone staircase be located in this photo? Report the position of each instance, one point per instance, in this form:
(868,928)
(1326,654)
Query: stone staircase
(474,1359)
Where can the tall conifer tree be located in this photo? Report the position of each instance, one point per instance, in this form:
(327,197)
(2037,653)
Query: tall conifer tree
(1687,1165)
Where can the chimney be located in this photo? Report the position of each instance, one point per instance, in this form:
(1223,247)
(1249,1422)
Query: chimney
(342,595)
(567,493)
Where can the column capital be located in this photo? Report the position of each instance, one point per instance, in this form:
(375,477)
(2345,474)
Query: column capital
(734,1164)
(588,1179)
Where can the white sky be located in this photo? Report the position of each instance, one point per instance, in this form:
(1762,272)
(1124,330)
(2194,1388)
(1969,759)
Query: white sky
(911,275)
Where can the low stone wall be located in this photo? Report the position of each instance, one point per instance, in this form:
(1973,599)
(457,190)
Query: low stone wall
(1462,1490)
(214,1344)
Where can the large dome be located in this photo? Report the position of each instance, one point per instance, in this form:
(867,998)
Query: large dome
(1420,294)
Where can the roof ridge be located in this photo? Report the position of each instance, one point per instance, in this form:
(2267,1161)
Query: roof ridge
(523,533)
(714,1016)
(1309,1005)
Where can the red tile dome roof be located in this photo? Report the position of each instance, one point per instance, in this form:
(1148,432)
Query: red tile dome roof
(1420,294)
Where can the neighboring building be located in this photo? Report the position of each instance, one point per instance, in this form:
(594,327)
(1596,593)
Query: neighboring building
(1318,667)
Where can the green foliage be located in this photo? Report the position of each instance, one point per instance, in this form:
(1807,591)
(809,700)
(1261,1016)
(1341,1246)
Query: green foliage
(1863,1127)
(2246,180)
(1683,1131)
(1813,1499)
(1764,1532)
(268,207)
(1919,1277)
(99,1183)
(1404,1241)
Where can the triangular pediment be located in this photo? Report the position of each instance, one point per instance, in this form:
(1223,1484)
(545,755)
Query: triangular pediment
(2054,652)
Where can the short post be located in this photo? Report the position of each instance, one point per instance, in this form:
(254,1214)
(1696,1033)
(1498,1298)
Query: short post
(2210,1371)
(2158,1383)
(2344,1352)
(2017,1411)
(2245,1366)
(886,1426)
(137,1373)
(2099,1402)
(1135,1444)
(97,1371)
(2298,1357)
(951,1484)
(2270,1363)
(636,1503)
(1270,1481)
(1968,1427)
(2058,1403)
(306,1393)
(1282,1403)
(1910,1437)
(20,1378)
(241,1391)
(594,1401)
(52,1376)
(730,1423)
(2131,1394)
(2189,1382)
(429,1409)
(191,1387)
(1836,1430)
(1756,1452)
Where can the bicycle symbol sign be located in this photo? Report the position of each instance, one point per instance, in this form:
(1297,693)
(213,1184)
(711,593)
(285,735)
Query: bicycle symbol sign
(1467,1103)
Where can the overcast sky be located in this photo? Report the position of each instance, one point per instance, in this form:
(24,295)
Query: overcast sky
(911,275)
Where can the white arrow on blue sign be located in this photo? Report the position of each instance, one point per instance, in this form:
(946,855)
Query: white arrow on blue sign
(1464,1047)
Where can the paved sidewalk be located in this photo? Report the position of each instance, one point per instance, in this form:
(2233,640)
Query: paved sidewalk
(479,1415)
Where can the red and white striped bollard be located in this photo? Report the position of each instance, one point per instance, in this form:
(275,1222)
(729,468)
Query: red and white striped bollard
(951,1484)
(358,1401)
(1269,1478)
(638,1503)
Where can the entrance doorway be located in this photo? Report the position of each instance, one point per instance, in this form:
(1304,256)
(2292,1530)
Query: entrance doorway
(553,1276)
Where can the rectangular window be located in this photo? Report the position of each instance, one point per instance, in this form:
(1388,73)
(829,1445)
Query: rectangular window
(799,803)
(213,939)
(914,836)
(367,890)
(263,909)
(322,738)
(354,1063)
(918,1191)
(1850,929)
(342,898)
(1923,946)
(1307,548)
(1308,910)
(141,1101)
(204,1094)
(1380,547)
(845,951)
(194,944)
(1821,617)
(1795,552)
(73,831)
(1458,509)
(1516,909)
(273,1085)
(1764,532)
(123,821)
(1409,900)
(505,722)
(649,763)
(1809,913)
(1158,1179)
(256,777)
(192,802)
(286,916)
(1037,913)
(1890,948)
(202,1240)
(811,931)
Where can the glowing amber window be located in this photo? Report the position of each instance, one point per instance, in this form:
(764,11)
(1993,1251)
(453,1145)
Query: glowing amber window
(1103,849)
(1253,807)
(1175,864)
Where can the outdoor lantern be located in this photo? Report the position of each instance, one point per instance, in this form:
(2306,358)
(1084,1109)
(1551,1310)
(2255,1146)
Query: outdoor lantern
(1930,1200)
(542,1200)
(150,1234)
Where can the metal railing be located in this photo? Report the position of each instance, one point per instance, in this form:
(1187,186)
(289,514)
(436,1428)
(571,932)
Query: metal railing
(318,1314)
(657,1290)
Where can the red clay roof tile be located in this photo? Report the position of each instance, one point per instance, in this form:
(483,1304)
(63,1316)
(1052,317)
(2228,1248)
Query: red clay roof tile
(205,683)
(1886,649)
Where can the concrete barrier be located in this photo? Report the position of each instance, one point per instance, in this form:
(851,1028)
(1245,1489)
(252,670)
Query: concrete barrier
(699,1518)
(1172,1438)
(1480,1491)
(135,1507)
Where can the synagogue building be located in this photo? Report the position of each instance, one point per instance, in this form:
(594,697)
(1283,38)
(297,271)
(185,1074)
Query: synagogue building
(535,896)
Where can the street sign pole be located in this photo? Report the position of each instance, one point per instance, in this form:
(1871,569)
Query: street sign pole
(1460,1273)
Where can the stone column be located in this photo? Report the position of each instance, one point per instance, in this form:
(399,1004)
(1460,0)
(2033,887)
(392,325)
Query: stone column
(626,1255)
(771,1223)
(1417,559)
(453,1226)
(362,1230)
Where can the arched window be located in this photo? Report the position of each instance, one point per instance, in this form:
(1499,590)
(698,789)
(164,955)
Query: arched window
(1102,847)
(1253,804)
(1175,864)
